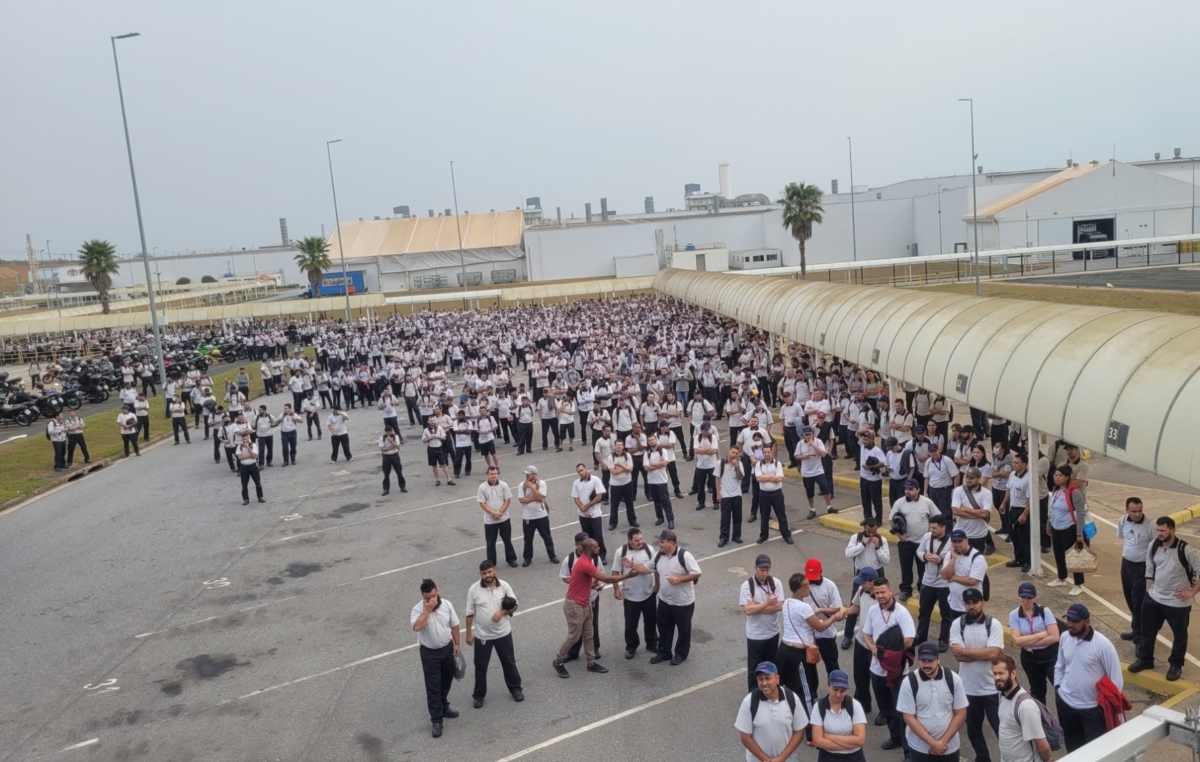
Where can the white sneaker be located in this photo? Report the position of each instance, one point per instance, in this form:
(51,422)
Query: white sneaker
(1057,583)
(1076,590)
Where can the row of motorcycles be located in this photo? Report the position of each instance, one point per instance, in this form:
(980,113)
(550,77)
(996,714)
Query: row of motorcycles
(77,382)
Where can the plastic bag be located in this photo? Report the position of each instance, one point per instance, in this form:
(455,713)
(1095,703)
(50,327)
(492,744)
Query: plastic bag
(460,666)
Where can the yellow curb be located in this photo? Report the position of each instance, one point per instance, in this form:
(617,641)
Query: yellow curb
(1190,690)
(850,526)
(1185,515)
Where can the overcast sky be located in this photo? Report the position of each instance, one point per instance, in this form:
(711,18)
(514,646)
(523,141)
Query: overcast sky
(230,104)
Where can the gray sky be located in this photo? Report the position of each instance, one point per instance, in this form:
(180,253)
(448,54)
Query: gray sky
(230,104)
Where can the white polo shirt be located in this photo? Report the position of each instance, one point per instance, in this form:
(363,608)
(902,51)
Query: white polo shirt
(766,625)
(494,495)
(482,604)
(878,621)
(437,632)
(583,490)
(933,705)
(774,468)
(638,588)
(975,528)
(977,675)
(773,725)
(537,509)
(842,721)
(683,594)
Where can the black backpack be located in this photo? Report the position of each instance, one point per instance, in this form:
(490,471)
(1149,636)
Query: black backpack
(770,586)
(1180,545)
(756,697)
(678,557)
(912,682)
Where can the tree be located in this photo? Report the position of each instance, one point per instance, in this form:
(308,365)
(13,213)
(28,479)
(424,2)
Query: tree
(98,260)
(183,281)
(208,279)
(313,259)
(801,210)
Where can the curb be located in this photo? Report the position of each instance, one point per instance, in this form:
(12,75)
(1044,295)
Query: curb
(1187,514)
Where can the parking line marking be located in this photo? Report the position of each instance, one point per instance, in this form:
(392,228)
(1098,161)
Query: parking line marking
(1128,618)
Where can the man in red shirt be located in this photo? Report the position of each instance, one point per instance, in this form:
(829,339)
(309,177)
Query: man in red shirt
(578,609)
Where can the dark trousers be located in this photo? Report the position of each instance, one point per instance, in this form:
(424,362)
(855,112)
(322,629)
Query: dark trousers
(534,527)
(941,498)
(438,666)
(503,530)
(266,450)
(673,474)
(862,676)
(758,651)
(130,440)
(287,446)
(670,620)
(919,756)
(178,425)
(248,471)
(829,653)
(930,596)
(1061,540)
(230,460)
(885,697)
(73,441)
(549,426)
(391,462)
(144,427)
(616,494)
(148,388)
(595,530)
(524,438)
(60,455)
(573,651)
(1154,614)
(414,413)
(980,708)
(1019,534)
(647,611)
(344,441)
(508,663)
(790,440)
(311,420)
(1133,584)
(872,498)
(662,501)
(790,662)
(462,455)
(772,500)
(1039,670)
(702,483)
(731,518)
(909,560)
(1079,725)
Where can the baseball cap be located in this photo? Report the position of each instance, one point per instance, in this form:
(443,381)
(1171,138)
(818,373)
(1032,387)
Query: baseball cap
(664,425)
(973,472)
(927,651)
(933,447)
(766,668)
(706,426)
(1077,612)
(866,574)
(890,442)
(580,537)
(958,535)
(1027,590)
(912,484)
(839,679)
(1070,446)
(821,414)
(530,470)
(972,595)
(668,535)
(812,569)
(763,561)
(806,430)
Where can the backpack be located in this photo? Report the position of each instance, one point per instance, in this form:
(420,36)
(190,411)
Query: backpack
(986,585)
(756,697)
(770,586)
(987,625)
(1154,548)
(912,682)
(823,707)
(1050,724)
(679,556)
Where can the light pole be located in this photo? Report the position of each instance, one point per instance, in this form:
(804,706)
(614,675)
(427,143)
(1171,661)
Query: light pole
(162,368)
(338,226)
(941,249)
(853,225)
(49,258)
(462,256)
(974,195)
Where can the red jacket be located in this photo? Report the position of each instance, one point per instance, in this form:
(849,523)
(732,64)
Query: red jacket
(1112,702)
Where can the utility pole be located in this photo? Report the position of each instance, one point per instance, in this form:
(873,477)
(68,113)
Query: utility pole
(974,194)
(338,227)
(853,225)
(462,255)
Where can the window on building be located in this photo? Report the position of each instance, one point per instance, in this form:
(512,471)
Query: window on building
(772,257)
(758,257)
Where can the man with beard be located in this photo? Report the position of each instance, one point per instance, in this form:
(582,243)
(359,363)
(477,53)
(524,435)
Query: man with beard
(1021,736)
(637,594)
(934,706)
(491,605)
(436,624)
(1136,534)
(888,632)
(577,606)
(975,639)
(1085,657)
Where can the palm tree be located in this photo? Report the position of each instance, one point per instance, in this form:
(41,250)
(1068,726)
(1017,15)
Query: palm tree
(801,210)
(98,260)
(313,259)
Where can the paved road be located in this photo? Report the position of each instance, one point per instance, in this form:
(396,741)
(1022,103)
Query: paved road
(1185,278)
(147,609)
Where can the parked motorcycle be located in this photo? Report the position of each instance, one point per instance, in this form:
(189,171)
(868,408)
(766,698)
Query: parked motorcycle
(22,414)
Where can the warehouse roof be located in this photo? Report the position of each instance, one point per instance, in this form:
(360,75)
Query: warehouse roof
(1036,189)
(1121,382)
(419,235)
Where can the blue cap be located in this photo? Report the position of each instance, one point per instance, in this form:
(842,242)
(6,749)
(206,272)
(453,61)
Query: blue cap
(1026,590)
(766,668)
(927,651)
(912,484)
(866,574)
(958,535)
(1077,612)
(580,537)
(806,430)
(839,679)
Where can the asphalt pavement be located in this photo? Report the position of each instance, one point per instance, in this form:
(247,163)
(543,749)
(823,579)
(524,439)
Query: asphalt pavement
(149,615)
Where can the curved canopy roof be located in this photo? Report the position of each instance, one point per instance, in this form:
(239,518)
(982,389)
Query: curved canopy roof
(1121,382)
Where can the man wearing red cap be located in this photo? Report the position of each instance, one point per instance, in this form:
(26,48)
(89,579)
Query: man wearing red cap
(826,600)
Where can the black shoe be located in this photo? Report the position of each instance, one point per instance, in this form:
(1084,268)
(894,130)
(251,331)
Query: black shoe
(1013,564)
(676,661)
(404,490)
(699,507)
(943,647)
(630,652)
(385,494)
(905,595)
(599,669)
(789,540)
(612,527)
(1140,664)
(845,645)
(761,540)
(670,524)
(245,502)
(891,743)
(527,562)
(738,540)
(450,713)
(518,695)
(721,542)
(450,482)
(692,492)
(1025,569)
(657,659)
(437,730)
(261,500)
(880,720)
(679,496)
(634,525)
(812,514)
(554,560)
(659,522)
(752,520)
(477,703)
(1174,673)
(1128,636)
(513,564)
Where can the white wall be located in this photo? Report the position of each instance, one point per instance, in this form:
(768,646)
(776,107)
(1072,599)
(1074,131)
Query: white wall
(632,267)
(196,266)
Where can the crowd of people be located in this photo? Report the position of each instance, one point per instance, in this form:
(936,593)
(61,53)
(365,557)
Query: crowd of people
(649,384)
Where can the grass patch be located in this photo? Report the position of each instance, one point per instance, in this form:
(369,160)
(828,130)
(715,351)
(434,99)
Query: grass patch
(1123,298)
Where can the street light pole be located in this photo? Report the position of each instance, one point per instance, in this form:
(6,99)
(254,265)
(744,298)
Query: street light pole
(853,225)
(974,195)
(941,249)
(338,227)
(162,367)
(462,255)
